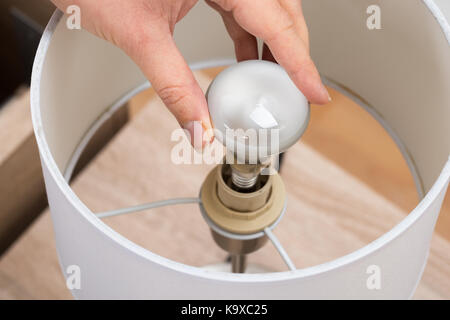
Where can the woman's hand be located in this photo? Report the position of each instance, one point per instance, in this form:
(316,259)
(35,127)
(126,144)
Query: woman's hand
(144,30)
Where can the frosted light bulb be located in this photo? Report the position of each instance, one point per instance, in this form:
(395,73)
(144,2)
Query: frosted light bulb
(260,99)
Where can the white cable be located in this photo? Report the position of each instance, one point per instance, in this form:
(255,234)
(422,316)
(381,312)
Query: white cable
(280,249)
(147,206)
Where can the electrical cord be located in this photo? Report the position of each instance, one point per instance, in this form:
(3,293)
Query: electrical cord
(280,249)
(147,206)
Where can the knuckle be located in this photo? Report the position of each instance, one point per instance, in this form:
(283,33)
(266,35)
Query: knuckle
(282,30)
(173,94)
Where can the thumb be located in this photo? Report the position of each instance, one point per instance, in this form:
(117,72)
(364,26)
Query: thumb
(164,66)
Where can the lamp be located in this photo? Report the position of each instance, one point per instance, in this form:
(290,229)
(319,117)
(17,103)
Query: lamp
(400,74)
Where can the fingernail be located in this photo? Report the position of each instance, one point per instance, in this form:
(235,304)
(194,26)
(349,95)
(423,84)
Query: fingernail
(199,133)
(208,135)
(325,93)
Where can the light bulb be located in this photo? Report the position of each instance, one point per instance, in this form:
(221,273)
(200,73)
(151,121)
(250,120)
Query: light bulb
(256,109)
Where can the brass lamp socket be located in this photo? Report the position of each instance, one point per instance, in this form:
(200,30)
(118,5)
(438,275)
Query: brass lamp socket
(240,215)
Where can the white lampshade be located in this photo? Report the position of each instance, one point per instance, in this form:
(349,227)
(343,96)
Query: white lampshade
(400,74)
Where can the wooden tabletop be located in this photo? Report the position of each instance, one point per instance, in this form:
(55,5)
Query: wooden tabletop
(335,203)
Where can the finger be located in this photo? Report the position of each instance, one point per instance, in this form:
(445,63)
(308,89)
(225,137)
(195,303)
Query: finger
(290,48)
(269,20)
(158,57)
(245,44)
(295,10)
(293,55)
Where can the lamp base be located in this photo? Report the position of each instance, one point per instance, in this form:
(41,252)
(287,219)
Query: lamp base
(226,267)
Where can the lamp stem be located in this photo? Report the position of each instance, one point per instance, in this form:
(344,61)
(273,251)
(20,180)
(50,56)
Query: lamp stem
(238,263)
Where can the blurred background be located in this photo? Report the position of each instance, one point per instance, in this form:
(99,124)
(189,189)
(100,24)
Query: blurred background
(21,25)
(367,190)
